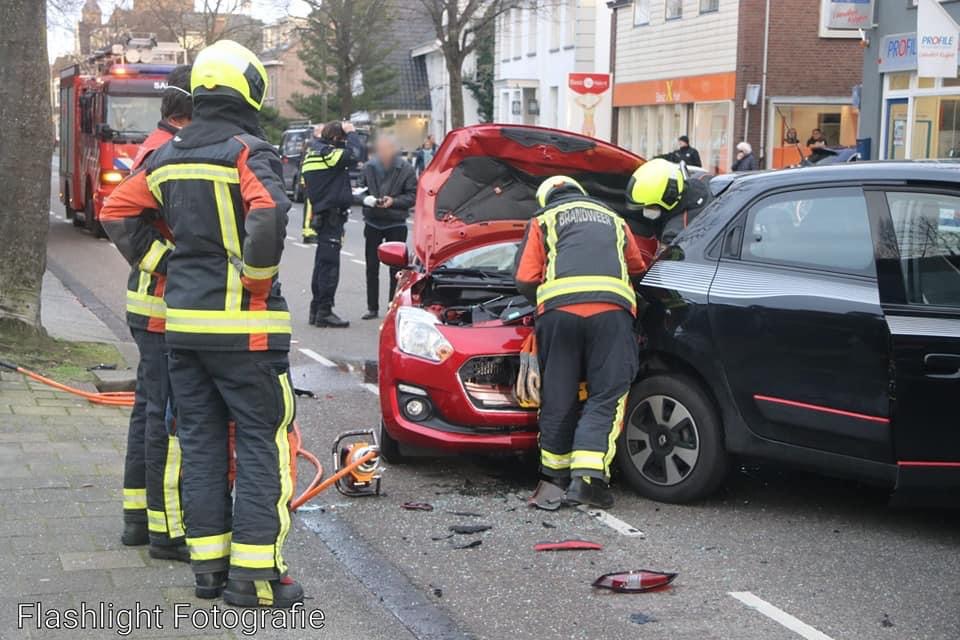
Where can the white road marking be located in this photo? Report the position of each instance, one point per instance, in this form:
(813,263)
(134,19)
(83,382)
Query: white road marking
(310,353)
(372,388)
(613,522)
(359,262)
(346,253)
(780,616)
(301,245)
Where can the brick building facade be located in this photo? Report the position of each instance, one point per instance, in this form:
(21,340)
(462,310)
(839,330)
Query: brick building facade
(684,67)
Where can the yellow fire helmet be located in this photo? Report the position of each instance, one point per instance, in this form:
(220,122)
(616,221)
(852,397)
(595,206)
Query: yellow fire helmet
(555,186)
(655,183)
(229,68)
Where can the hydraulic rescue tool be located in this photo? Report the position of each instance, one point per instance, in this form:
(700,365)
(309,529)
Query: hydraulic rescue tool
(357,465)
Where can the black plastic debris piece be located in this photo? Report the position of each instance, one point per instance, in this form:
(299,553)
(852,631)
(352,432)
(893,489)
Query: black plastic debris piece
(439,537)
(437,591)
(417,506)
(465,514)
(306,393)
(548,525)
(468,545)
(886,622)
(641,618)
(470,528)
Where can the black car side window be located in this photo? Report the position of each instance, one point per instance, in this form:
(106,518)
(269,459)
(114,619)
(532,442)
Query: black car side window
(927,226)
(823,229)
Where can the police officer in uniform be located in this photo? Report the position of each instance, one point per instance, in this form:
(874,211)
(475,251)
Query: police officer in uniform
(576,263)
(326,175)
(217,187)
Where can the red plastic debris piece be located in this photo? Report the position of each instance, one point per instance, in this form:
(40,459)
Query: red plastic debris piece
(634,581)
(568,545)
(417,506)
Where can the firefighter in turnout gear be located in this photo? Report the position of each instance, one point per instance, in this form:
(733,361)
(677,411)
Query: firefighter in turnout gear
(151,477)
(217,186)
(576,263)
(665,198)
(326,176)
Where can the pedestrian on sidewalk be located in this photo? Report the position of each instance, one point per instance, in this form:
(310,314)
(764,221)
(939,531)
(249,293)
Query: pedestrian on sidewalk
(217,186)
(391,191)
(151,477)
(745,161)
(424,155)
(326,176)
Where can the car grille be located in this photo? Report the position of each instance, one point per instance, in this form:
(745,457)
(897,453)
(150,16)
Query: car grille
(488,381)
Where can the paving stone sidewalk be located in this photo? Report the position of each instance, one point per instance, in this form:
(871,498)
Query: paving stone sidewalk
(61,464)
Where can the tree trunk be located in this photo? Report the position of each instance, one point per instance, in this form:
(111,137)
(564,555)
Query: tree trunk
(455,76)
(26,143)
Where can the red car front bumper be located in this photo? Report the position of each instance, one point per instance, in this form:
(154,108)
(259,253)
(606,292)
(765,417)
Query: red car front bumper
(455,424)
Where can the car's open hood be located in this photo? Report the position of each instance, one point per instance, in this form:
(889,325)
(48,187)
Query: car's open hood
(480,186)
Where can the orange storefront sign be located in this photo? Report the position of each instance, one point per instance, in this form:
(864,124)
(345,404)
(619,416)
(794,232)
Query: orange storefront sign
(706,88)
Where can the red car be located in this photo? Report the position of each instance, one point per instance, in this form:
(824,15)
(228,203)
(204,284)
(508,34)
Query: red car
(450,341)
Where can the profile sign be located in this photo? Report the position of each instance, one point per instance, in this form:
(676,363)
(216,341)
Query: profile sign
(938,37)
(590,104)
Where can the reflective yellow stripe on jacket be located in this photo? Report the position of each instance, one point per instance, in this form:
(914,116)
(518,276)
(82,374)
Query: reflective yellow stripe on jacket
(584,284)
(238,322)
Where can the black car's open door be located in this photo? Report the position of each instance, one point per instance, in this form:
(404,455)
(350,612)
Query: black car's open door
(917,234)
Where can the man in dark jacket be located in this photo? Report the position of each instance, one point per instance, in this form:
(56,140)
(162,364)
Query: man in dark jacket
(391,191)
(686,153)
(326,176)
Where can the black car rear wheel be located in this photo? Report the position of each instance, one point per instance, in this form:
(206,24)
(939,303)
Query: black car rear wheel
(671,448)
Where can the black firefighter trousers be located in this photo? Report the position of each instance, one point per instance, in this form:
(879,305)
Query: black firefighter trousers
(151,475)
(246,534)
(601,349)
(329,226)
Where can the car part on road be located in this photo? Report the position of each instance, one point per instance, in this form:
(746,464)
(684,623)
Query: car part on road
(468,545)
(470,528)
(671,447)
(568,545)
(637,581)
(465,514)
(304,393)
(546,496)
(641,618)
(417,506)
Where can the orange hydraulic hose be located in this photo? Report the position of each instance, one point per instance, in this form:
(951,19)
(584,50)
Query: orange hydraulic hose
(125,399)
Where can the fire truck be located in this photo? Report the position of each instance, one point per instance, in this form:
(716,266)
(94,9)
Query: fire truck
(109,103)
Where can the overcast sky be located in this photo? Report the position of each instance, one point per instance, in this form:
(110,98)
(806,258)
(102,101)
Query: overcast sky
(60,38)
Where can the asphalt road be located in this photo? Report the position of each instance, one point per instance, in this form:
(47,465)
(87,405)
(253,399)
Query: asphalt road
(808,557)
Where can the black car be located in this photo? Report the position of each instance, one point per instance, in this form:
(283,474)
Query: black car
(808,317)
(292,144)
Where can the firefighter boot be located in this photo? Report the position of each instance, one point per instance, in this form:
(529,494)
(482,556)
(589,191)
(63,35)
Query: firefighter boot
(588,491)
(278,594)
(134,534)
(178,552)
(327,318)
(210,585)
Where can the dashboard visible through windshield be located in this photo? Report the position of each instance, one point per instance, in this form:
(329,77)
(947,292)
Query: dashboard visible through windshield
(492,258)
(133,115)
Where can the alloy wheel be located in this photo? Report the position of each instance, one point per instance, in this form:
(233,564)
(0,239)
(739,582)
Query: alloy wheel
(662,440)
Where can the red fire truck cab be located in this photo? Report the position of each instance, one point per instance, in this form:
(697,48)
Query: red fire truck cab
(106,110)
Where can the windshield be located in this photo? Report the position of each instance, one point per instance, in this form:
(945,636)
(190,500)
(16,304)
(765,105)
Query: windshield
(133,115)
(293,144)
(497,258)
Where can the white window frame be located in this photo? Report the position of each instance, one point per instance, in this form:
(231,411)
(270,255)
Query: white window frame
(639,5)
(666,10)
(913,92)
(708,11)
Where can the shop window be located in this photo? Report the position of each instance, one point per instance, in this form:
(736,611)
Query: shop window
(824,229)
(925,83)
(674,9)
(935,127)
(928,234)
(951,82)
(708,6)
(641,12)
(829,124)
(898,81)
(711,126)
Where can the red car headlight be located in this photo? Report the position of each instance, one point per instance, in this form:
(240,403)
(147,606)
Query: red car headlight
(418,335)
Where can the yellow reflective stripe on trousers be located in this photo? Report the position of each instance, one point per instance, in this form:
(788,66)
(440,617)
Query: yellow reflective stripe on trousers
(146,305)
(592,460)
(171,488)
(228,322)
(209,547)
(156,521)
(252,556)
(260,273)
(134,499)
(584,284)
(614,433)
(264,592)
(154,255)
(190,171)
(550,219)
(286,482)
(621,249)
(231,242)
(554,461)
